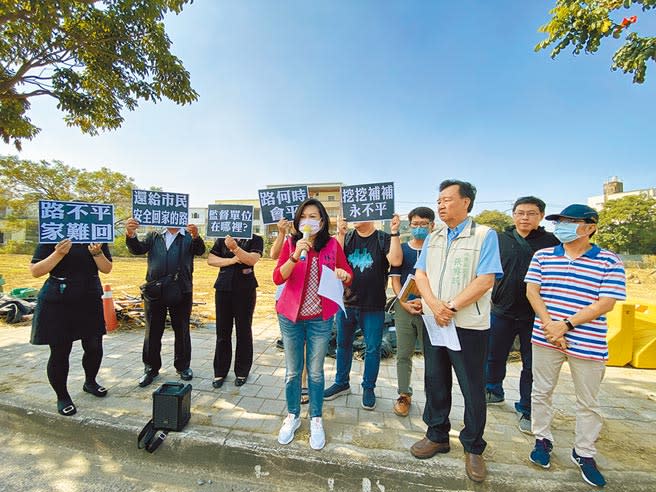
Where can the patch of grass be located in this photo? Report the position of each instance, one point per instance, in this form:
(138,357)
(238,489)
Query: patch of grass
(128,273)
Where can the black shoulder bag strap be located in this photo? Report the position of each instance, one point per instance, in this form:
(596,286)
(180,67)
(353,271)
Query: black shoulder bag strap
(523,243)
(150,438)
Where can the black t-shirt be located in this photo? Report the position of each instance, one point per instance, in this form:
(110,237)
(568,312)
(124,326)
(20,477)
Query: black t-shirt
(237,276)
(78,262)
(370,268)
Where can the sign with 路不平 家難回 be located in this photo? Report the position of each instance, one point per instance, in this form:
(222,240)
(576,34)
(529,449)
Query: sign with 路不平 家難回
(230,220)
(159,208)
(80,222)
(365,202)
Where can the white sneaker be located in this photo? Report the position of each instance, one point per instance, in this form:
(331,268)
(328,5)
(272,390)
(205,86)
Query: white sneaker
(317,435)
(289,426)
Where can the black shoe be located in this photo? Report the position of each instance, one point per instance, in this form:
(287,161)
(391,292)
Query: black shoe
(279,344)
(147,378)
(187,374)
(218,382)
(66,408)
(240,381)
(95,389)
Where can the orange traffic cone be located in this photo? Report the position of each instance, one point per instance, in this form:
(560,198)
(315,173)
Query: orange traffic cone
(108,309)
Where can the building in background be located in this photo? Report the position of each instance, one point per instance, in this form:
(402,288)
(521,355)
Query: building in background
(614,189)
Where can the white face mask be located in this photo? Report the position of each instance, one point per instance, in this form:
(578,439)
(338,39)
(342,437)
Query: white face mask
(313,225)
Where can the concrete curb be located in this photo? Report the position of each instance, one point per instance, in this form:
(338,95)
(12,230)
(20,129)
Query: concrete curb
(294,467)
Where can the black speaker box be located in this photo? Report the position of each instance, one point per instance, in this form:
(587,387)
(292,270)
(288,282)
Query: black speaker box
(172,406)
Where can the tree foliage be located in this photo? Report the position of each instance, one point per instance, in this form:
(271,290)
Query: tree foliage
(95,57)
(628,225)
(584,24)
(24,182)
(494,219)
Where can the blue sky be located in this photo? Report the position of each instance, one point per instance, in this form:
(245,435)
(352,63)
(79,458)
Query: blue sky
(365,91)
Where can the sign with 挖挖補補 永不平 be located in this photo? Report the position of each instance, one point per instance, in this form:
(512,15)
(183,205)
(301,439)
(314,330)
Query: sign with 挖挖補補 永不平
(230,220)
(281,203)
(159,208)
(80,222)
(365,202)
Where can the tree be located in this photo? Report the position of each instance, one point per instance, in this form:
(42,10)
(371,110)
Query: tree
(583,24)
(96,58)
(25,182)
(494,219)
(628,225)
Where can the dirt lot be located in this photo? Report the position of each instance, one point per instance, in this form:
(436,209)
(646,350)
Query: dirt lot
(128,274)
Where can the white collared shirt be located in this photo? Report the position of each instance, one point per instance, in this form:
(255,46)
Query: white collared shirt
(169,238)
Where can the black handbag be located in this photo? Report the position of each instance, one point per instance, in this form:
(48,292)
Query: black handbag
(167,289)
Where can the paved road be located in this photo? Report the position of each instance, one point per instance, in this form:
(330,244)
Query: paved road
(365,451)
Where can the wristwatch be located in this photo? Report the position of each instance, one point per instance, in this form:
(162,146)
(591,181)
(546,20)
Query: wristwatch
(395,234)
(570,325)
(452,306)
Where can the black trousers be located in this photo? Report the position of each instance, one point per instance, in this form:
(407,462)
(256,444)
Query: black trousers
(469,366)
(155,320)
(237,306)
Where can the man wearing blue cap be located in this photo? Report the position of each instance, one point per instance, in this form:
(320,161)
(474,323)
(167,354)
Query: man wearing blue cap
(571,287)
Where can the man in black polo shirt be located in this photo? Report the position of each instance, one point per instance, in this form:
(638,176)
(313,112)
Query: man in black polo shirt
(170,252)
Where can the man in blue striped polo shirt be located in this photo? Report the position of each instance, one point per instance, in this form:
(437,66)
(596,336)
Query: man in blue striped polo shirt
(571,287)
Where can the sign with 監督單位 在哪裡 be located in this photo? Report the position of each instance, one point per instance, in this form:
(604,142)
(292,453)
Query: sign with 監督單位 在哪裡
(230,220)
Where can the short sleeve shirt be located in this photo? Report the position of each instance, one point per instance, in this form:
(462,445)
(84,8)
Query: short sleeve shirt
(370,268)
(78,262)
(489,261)
(237,277)
(567,286)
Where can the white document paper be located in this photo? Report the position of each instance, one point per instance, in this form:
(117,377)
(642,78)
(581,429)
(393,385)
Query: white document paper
(331,287)
(442,336)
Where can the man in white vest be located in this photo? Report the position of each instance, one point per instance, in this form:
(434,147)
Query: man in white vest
(455,274)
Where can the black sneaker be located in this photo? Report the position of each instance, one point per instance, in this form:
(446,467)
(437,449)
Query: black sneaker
(336,390)
(368,399)
(589,470)
(493,399)
(279,344)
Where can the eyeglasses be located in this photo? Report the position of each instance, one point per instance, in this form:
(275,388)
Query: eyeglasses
(530,215)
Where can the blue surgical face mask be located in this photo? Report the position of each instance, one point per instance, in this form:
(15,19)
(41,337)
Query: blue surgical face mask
(565,232)
(420,233)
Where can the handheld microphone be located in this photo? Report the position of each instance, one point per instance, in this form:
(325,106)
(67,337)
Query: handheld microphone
(306,235)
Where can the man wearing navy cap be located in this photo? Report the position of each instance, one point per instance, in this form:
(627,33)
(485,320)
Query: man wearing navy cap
(571,287)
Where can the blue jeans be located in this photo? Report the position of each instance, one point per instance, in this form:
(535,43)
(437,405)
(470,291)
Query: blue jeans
(312,335)
(502,336)
(371,323)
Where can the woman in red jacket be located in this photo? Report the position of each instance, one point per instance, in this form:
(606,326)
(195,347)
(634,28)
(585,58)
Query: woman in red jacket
(306,318)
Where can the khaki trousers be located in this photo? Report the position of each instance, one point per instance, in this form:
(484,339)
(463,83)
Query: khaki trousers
(587,376)
(409,329)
